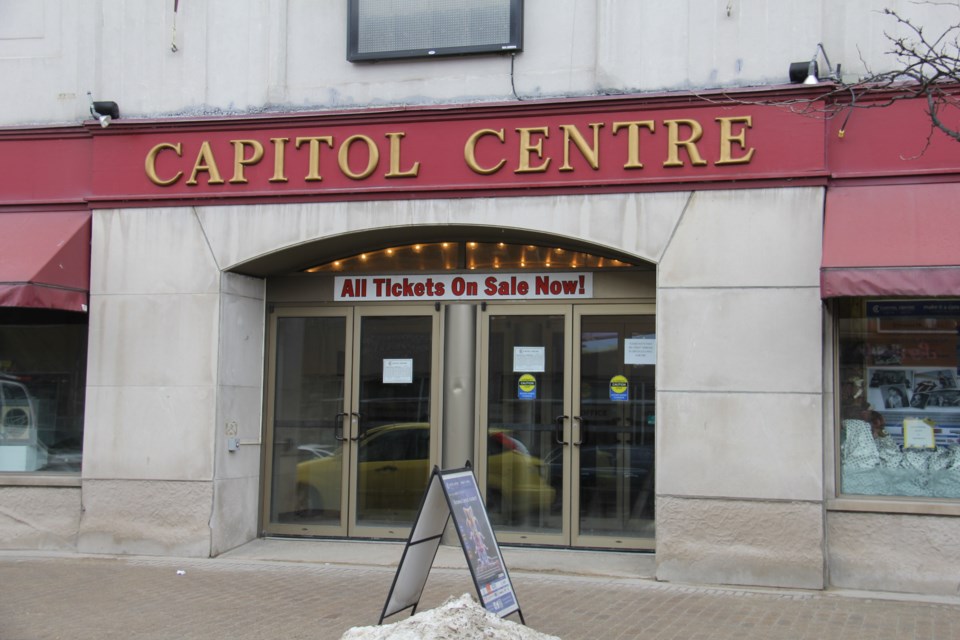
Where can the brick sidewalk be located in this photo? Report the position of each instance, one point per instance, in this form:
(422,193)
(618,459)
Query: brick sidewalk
(104,598)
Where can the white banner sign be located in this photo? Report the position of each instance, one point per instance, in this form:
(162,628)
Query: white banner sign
(529,286)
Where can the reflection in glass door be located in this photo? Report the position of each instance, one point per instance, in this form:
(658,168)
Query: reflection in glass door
(614,408)
(395,364)
(568,411)
(307,405)
(526,394)
(350,407)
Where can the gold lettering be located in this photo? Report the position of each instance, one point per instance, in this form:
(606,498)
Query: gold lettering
(313,173)
(470,151)
(633,140)
(590,154)
(150,164)
(205,162)
(727,137)
(527,147)
(395,171)
(240,160)
(690,144)
(279,171)
(344,154)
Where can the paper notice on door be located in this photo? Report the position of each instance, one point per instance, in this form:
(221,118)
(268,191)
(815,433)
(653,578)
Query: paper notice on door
(397,370)
(640,350)
(529,359)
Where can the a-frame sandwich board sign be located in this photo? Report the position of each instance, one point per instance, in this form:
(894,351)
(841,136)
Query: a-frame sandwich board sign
(454,493)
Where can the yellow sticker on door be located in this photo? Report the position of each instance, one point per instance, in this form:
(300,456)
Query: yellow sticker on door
(619,388)
(527,387)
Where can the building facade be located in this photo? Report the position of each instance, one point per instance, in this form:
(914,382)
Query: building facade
(659,298)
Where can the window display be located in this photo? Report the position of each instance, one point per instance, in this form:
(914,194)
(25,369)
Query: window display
(43,362)
(899,397)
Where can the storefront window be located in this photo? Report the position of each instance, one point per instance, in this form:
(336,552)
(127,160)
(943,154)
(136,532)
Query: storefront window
(899,363)
(43,361)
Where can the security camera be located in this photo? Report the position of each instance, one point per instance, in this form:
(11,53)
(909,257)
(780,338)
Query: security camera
(105,111)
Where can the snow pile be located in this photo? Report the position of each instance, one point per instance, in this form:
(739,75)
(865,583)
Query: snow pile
(456,619)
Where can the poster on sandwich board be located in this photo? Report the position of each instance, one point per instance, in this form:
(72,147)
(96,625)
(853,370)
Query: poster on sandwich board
(453,493)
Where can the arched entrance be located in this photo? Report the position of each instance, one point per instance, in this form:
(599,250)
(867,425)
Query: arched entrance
(560,406)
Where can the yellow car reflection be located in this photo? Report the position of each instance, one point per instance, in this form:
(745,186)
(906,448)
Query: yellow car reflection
(394,466)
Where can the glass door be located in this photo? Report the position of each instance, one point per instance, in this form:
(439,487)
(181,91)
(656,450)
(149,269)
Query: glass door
(308,410)
(525,403)
(350,419)
(393,417)
(614,425)
(568,421)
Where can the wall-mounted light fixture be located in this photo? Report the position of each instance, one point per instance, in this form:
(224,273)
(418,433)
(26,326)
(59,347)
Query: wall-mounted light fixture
(104,111)
(809,72)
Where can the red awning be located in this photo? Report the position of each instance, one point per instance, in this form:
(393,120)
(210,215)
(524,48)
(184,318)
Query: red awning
(45,260)
(896,240)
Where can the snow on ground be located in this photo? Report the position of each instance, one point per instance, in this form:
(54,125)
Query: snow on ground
(456,619)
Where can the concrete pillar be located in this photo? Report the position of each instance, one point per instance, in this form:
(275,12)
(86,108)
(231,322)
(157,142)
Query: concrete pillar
(459,384)
(459,388)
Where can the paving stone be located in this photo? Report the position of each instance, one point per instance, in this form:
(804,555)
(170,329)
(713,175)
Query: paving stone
(48,597)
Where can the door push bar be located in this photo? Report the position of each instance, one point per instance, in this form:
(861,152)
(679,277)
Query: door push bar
(338,433)
(558,432)
(357,416)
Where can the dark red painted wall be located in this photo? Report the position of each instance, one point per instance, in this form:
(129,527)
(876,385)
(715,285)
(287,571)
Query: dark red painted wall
(86,166)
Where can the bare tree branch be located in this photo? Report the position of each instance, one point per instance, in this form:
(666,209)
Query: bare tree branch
(927,67)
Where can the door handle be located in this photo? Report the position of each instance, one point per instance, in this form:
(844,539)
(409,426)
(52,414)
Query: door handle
(354,414)
(390,468)
(558,432)
(338,432)
(580,422)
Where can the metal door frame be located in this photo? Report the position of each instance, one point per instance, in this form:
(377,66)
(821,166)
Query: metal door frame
(275,315)
(573,313)
(353,315)
(578,539)
(535,309)
(436,377)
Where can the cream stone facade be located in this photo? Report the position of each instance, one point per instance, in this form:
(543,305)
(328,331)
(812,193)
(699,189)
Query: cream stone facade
(249,55)
(176,444)
(196,336)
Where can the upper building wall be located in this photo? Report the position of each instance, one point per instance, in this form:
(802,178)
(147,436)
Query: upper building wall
(240,56)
